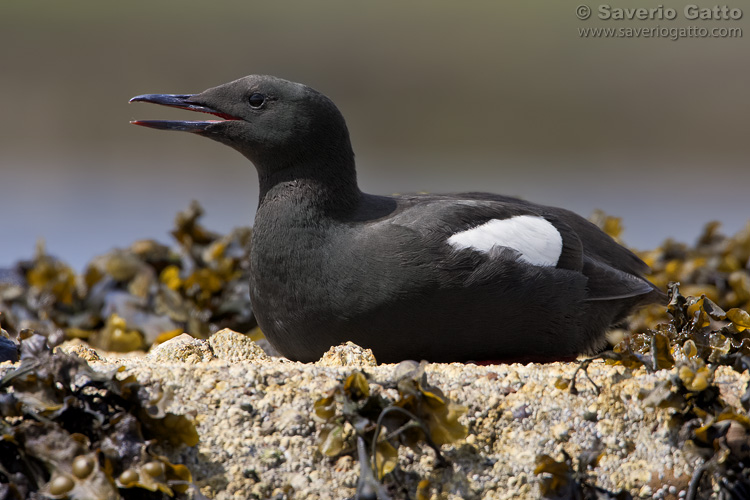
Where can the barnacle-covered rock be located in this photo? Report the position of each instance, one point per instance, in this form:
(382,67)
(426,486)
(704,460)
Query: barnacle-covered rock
(348,354)
(181,348)
(234,347)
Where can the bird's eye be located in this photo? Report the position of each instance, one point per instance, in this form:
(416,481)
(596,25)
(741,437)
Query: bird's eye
(256,100)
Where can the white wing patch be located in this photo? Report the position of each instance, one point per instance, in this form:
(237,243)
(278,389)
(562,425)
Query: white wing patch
(537,240)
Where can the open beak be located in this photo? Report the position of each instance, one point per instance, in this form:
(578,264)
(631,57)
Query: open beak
(181,101)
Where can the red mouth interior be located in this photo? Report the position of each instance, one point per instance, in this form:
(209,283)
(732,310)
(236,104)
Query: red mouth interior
(225,116)
(210,112)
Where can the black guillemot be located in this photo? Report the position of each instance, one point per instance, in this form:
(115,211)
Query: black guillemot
(455,277)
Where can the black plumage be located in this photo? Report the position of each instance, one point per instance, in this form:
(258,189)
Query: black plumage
(331,264)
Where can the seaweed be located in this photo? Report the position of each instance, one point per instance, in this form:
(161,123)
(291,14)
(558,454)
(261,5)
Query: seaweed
(129,299)
(357,415)
(562,480)
(699,337)
(717,266)
(68,431)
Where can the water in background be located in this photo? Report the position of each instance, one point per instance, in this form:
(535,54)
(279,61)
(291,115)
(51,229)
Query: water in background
(440,96)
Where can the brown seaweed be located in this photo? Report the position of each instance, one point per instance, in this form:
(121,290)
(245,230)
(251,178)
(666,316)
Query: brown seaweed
(71,432)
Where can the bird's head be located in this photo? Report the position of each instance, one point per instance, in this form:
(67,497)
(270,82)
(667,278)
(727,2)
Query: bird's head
(273,122)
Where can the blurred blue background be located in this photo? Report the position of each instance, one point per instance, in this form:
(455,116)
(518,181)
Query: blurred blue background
(439,96)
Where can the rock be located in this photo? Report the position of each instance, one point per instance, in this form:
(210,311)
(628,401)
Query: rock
(235,347)
(183,348)
(348,354)
(561,431)
(257,416)
(80,349)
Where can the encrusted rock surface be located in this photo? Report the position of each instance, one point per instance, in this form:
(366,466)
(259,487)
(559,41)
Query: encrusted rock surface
(348,354)
(258,437)
(183,348)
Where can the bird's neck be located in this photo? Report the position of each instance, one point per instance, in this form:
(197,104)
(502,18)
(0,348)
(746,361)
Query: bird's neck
(311,189)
